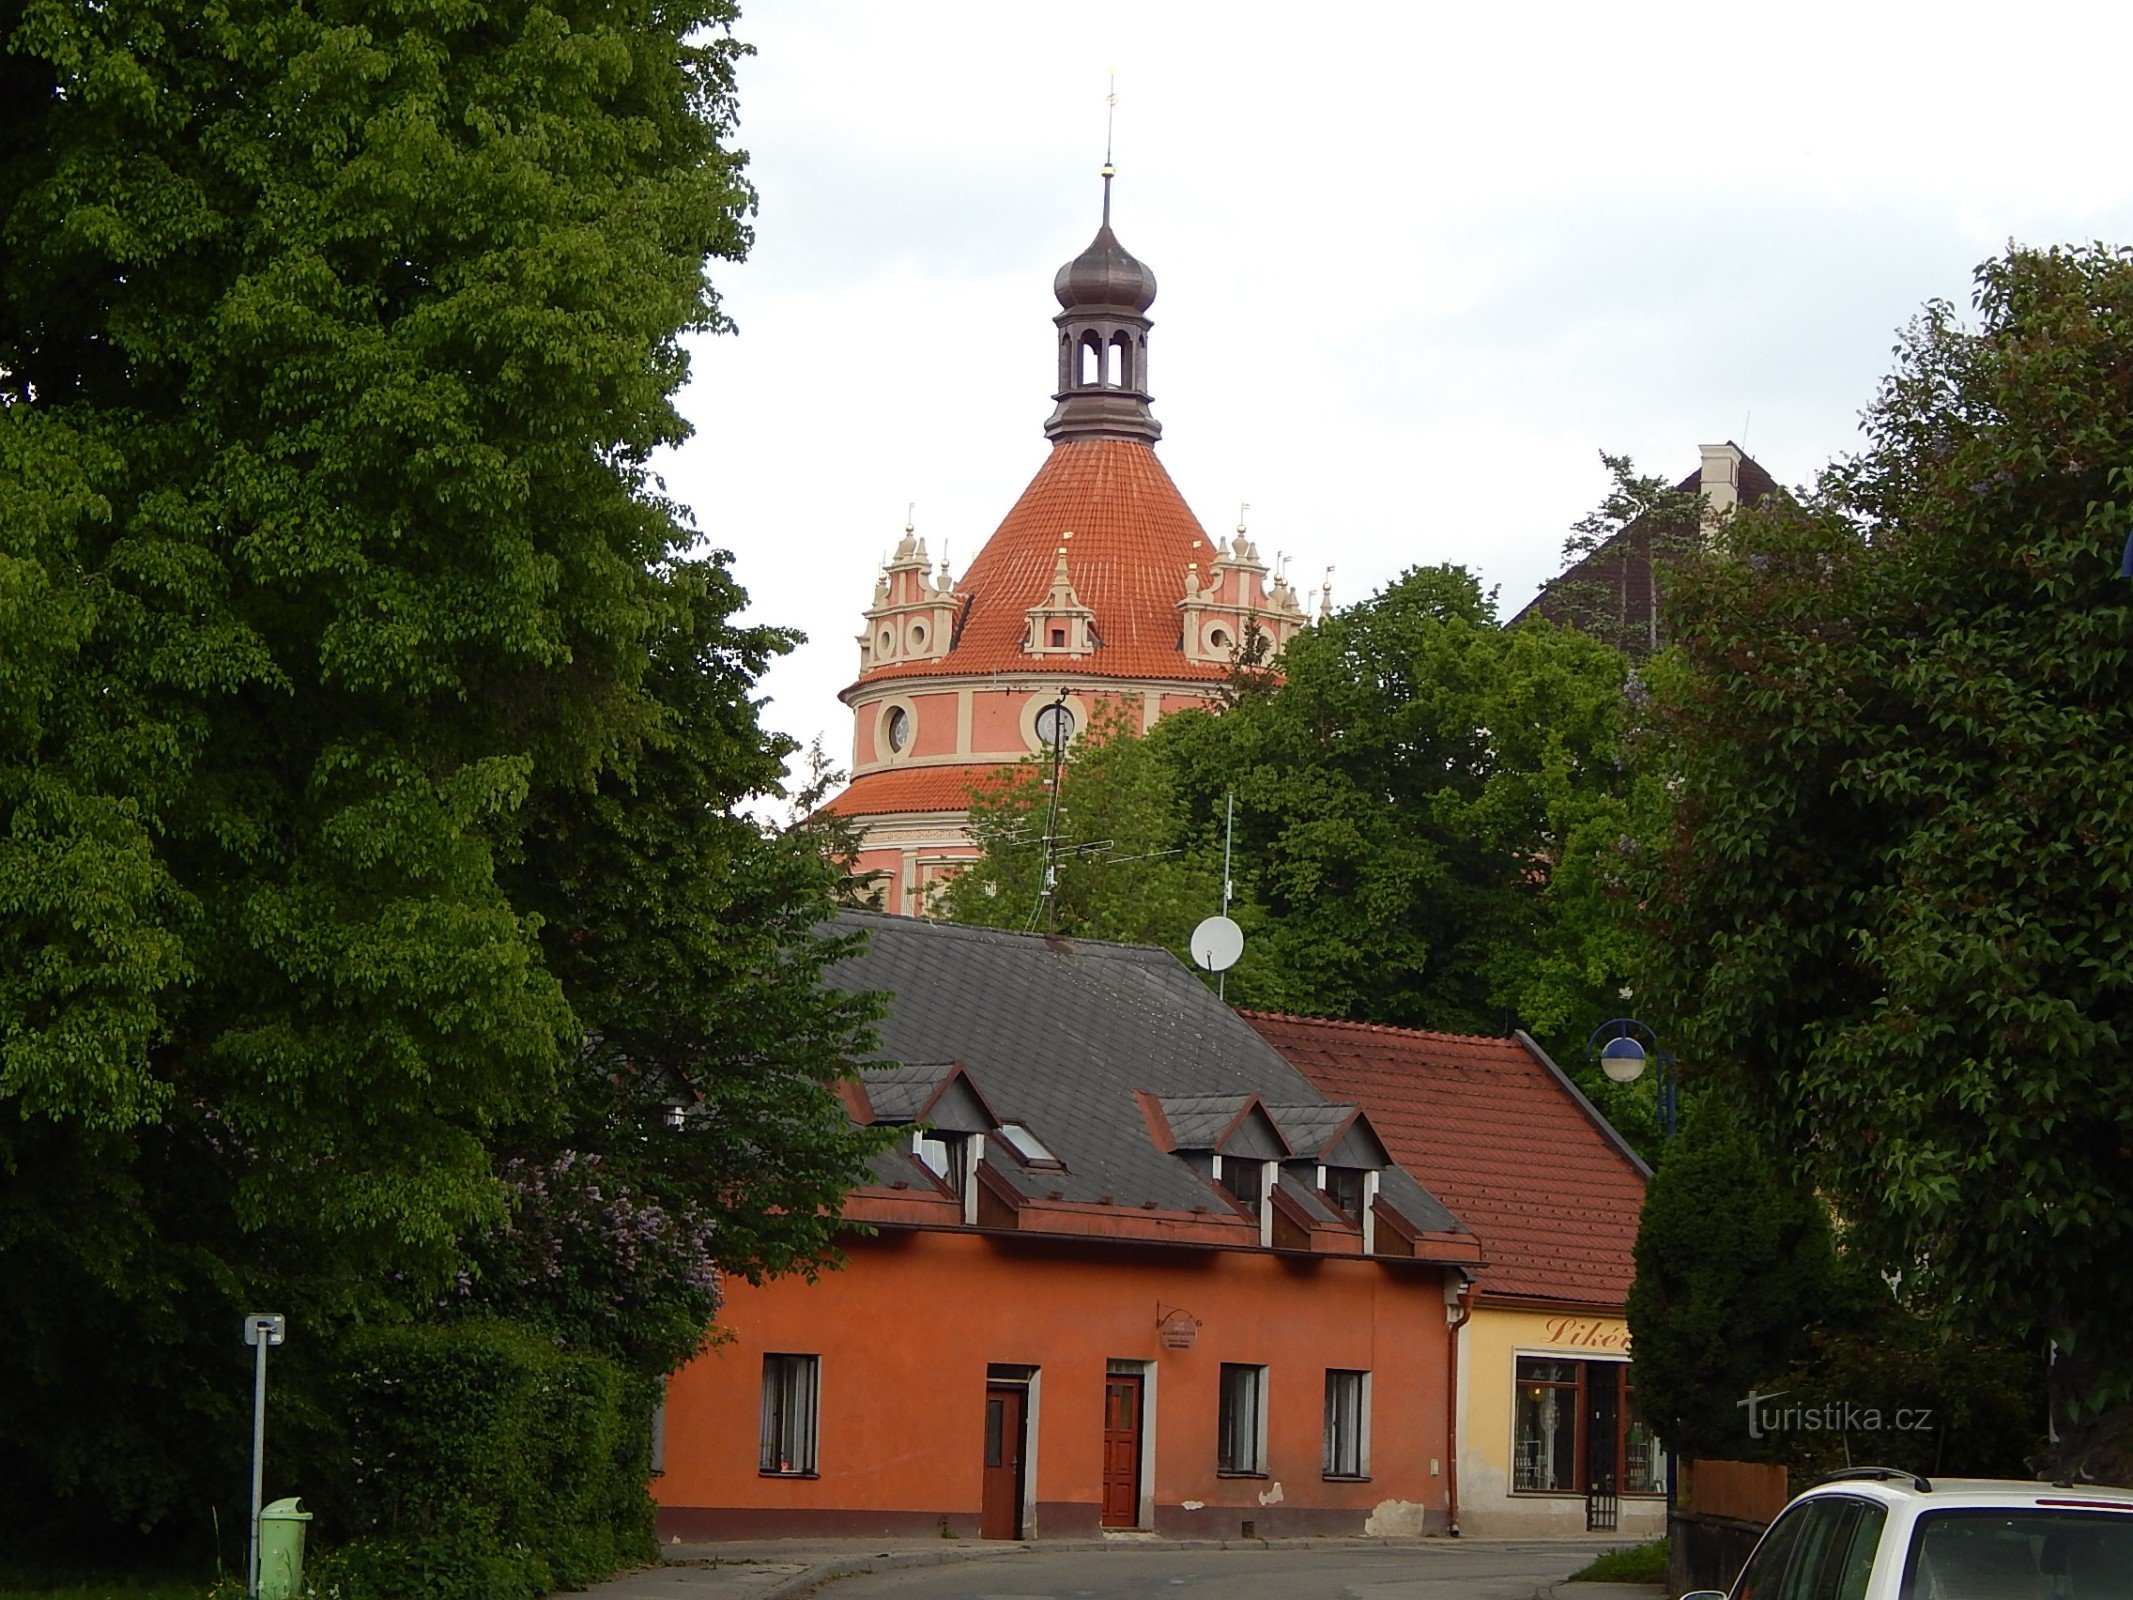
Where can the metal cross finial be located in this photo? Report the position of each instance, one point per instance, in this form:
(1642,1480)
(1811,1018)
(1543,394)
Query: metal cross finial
(910,515)
(1110,117)
(1242,507)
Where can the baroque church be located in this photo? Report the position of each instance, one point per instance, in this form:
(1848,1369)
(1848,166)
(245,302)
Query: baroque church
(1100,594)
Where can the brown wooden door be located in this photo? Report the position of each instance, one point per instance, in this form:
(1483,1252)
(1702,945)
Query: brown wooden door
(1122,1450)
(1001,1517)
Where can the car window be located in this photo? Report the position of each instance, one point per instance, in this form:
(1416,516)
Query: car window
(1847,1575)
(1821,1549)
(1765,1571)
(1980,1554)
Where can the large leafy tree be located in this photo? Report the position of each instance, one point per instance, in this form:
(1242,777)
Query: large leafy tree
(368,743)
(1421,803)
(1891,914)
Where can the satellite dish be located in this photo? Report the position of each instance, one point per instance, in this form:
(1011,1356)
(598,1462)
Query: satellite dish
(1216,944)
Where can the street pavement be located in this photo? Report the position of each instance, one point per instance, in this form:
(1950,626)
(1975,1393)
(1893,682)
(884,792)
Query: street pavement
(1278,1569)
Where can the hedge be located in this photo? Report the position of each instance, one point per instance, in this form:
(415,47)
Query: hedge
(485,1464)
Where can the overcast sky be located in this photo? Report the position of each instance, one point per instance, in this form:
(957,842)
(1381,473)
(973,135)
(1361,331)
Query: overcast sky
(1418,264)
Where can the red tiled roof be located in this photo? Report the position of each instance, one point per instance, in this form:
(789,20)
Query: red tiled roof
(1133,538)
(897,789)
(1496,1136)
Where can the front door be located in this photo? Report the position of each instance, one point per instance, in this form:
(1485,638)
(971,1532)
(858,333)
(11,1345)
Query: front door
(1005,1407)
(1122,1450)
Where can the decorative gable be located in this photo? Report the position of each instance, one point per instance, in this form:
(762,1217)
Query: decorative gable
(914,613)
(1220,615)
(1059,624)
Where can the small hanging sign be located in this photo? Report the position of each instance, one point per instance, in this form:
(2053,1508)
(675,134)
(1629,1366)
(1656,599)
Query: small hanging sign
(1178,1328)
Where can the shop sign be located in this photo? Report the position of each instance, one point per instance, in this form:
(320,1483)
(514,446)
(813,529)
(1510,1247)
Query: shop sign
(1588,1333)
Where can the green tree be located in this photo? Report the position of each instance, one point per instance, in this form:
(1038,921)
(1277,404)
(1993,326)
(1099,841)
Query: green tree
(1891,909)
(1745,1294)
(1418,803)
(1119,866)
(369,751)
(1734,1267)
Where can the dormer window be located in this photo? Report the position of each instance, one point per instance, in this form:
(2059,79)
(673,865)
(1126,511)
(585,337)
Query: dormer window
(1244,1181)
(945,1155)
(1344,1187)
(953,1158)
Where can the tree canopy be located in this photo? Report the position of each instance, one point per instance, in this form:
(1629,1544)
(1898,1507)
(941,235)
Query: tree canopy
(369,737)
(1891,909)
(1428,809)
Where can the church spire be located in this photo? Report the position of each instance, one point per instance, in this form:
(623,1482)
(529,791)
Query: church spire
(1104,294)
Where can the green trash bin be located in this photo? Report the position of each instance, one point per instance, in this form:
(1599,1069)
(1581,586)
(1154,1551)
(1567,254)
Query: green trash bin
(281,1550)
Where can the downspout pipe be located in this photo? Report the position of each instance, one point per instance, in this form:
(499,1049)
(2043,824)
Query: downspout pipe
(1458,1307)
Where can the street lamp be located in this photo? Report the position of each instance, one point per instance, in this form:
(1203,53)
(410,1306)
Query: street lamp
(1624,1046)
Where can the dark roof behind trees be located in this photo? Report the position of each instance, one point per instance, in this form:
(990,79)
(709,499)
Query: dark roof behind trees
(1613,593)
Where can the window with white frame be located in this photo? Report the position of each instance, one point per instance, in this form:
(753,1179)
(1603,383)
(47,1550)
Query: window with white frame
(1241,1446)
(945,1155)
(791,1387)
(1347,1423)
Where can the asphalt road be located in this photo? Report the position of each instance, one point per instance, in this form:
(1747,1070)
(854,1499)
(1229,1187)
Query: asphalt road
(1446,1571)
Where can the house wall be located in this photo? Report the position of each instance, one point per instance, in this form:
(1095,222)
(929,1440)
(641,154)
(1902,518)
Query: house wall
(1490,1345)
(905,1333)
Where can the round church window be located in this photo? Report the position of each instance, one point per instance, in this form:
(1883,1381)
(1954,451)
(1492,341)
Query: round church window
(898,728)
(1055,726)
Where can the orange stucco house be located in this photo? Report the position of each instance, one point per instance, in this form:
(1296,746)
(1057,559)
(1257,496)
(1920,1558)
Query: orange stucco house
(1122,1268)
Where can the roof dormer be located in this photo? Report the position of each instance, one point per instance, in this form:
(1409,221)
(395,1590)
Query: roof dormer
(1059,624)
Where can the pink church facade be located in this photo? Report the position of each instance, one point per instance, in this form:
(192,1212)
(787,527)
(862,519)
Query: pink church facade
(1099,594)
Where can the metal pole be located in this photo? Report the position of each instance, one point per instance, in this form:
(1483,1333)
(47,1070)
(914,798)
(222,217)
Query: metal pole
(261,1328)
(1229,832)
(259,1457)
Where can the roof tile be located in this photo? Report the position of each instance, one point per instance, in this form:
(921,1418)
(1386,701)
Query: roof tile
(1133,538)
(1493,1134)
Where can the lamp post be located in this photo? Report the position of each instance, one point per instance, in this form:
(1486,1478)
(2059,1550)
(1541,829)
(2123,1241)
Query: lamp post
(1624,1047)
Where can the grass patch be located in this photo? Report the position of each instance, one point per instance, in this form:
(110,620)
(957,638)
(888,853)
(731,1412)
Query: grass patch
(1638,1563)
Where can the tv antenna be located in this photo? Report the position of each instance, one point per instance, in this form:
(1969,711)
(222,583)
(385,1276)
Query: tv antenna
(1054,723)
(1218,942)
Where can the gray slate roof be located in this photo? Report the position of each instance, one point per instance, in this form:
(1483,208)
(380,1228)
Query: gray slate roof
(1062,1034)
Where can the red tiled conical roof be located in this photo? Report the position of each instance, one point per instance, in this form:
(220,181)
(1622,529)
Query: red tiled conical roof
(895,790)
(1134,536)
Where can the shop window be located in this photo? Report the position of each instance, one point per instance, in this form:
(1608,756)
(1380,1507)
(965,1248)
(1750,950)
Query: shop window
(1241,1448)
(1643,1456)
(1544,1439)
(1347,1424)
(791,1386)
(1576,1427)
